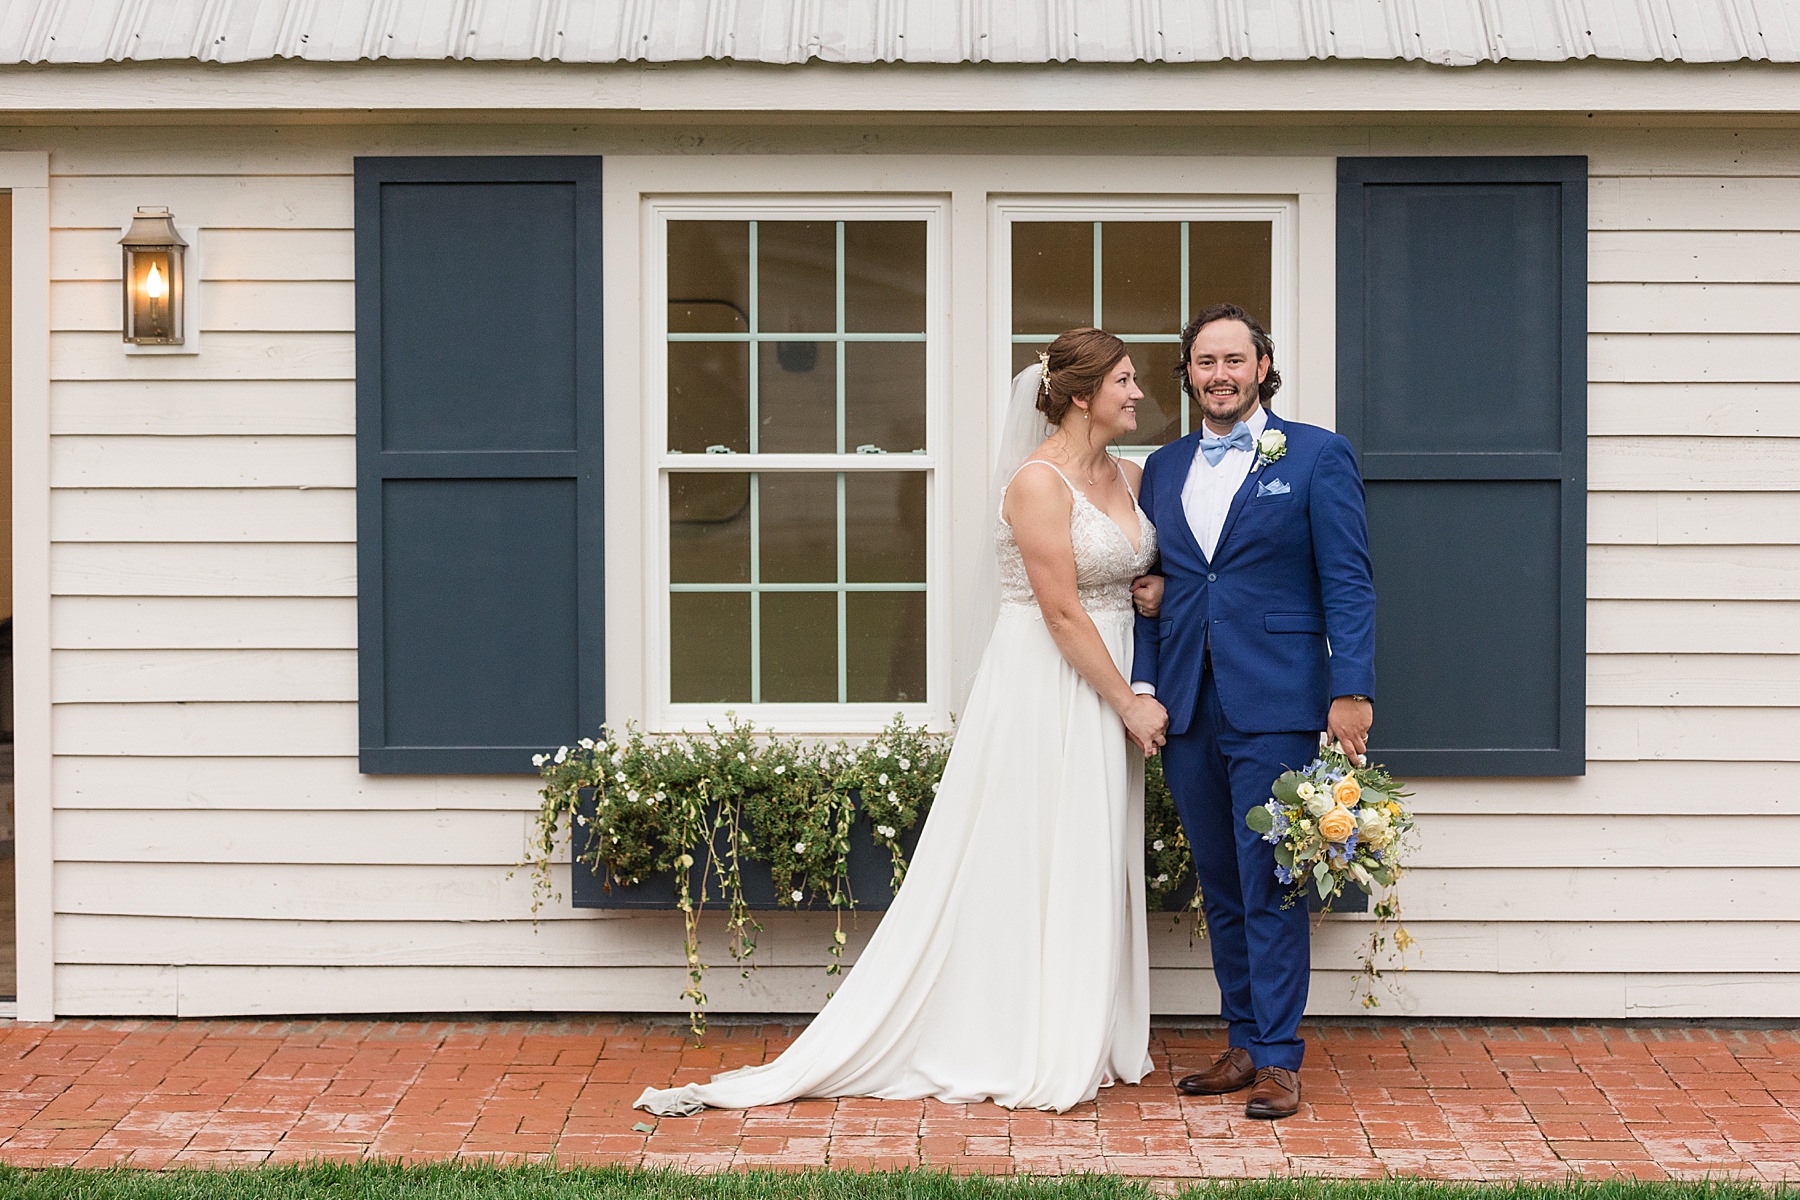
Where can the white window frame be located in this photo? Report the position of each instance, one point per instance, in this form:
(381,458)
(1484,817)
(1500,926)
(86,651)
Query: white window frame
(818,717)
(1281,212)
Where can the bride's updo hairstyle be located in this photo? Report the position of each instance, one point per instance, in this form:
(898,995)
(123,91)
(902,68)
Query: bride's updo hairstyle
(1078,363)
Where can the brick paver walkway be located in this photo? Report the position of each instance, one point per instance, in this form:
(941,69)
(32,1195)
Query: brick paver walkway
(1456,1102)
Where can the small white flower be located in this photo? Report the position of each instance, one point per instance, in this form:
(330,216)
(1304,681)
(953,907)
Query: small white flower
(883,780)
(618,756)
(632,796)
(538,760)
(881,751)
(905,765)
(657,797)
(799,895)
(1157,845)
(741,757)
(780,770)
(562,754)
(934,788)
(799,847)
(620,777)
(580,820)
(893,797)
(886,831)
(586,743)
(1162,879)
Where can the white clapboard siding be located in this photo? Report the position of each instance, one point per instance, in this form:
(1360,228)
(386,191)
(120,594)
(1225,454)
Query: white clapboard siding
(262,729)
(304,784)
(251,255)
(1693,518)
(90,676)
(203,569)
(1694,572)
(1694,308)
(1734,410)
(1693,626)
(1704,464)
(203,515)
(414,892)
(1694,203)
(274,991)
(1688,357)
(188,462)
(1687,256)
(499,838)
(1695,734)
(220,853)
(242,202)
(228,356)
(200,407)
(245,307)
(202,622)
(1715,680)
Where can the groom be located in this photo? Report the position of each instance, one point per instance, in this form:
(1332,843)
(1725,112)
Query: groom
(1265,637)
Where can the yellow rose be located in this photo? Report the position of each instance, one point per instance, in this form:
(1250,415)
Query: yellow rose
(1346,791)
(1337,824)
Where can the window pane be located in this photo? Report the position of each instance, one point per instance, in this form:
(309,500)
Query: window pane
(884,396)
(709,647)
(709,276)
(1140,277)
(796,402)
(798,526)
(1052,276)
(1159,412)
(886,652)
(796,282)
(884,276)
(799,647)
(709,396)
(1228,261)
(709,527)
(884,526)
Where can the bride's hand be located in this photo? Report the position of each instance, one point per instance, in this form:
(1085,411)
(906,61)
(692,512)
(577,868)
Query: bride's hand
(1146,723)
(1147,594)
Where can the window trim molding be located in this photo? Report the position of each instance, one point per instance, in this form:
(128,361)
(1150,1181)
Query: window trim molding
(1281,211)
(664,713)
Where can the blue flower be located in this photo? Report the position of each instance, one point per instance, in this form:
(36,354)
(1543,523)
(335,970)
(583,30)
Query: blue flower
(1284,874)
(1350,842)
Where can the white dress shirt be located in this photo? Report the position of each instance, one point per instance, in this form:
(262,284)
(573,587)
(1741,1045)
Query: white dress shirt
(1207,494)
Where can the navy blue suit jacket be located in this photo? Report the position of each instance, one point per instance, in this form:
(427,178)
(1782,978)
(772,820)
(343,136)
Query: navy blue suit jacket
(1287,603)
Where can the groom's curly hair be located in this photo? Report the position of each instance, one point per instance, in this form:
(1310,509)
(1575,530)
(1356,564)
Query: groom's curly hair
(1265,348)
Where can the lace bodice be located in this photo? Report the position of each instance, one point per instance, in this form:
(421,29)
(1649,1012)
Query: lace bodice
(1105,563)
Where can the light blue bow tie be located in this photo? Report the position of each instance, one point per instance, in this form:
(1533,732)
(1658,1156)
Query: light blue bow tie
(1240,438)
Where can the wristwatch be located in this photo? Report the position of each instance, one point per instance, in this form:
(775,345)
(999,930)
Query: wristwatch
(1358,696)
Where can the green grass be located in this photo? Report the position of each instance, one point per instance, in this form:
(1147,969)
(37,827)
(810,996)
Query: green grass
(468,1181)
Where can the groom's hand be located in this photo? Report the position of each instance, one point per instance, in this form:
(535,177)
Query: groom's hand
(1348,724)
(1146,722)
(1147,594)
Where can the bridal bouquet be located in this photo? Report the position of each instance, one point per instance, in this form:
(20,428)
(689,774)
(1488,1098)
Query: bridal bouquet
(1335,822)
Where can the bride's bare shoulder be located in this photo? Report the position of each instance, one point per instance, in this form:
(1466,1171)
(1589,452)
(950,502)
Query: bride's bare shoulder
(1038,487)
(1134,472)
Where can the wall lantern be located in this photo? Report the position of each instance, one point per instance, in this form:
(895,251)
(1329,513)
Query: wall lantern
(154,277)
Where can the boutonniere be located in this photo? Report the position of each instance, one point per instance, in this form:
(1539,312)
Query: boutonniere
(1269,447)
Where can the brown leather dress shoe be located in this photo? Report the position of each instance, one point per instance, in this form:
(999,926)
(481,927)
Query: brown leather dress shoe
(1276,1094)
(1231,1071)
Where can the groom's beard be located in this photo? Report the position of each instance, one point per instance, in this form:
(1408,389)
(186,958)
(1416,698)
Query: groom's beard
(1245,404)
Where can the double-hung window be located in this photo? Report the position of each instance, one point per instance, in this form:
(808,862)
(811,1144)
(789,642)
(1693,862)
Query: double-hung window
(797,441)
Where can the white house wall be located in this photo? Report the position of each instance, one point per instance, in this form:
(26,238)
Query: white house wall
(216,851)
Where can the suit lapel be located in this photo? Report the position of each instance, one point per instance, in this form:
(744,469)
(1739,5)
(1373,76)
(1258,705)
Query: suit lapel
(1243,494)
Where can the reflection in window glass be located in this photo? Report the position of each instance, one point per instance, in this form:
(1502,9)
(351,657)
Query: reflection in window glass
(1140,280)
(792,586)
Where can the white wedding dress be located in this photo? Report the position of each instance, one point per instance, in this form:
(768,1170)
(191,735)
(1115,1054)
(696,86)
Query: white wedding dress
(1013,964)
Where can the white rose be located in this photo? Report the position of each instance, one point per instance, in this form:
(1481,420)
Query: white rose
(1318,804)
(1371,822)
(1272,442)
(1306,791)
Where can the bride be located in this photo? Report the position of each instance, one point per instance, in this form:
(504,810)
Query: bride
(1012,965)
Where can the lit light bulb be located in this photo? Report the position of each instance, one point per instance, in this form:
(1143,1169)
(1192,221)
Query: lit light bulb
(154,286)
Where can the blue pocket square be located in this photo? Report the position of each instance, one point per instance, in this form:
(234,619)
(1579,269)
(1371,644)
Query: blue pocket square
(1273,487)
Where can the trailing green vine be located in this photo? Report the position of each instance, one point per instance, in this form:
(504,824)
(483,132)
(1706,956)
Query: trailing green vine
(690,811)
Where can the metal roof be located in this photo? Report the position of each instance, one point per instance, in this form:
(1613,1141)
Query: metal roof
(1447,32)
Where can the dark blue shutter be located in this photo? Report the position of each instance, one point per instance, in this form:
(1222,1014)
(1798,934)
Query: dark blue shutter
(478,425)
(1462,383)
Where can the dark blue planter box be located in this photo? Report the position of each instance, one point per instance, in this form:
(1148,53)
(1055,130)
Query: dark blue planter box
(870,867)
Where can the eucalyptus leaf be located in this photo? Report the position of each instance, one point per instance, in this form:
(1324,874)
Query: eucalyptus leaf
(1284,856)
(1286,788)
(1260,819)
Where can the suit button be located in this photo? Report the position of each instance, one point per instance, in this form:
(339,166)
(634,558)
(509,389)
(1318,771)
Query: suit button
(1212,578)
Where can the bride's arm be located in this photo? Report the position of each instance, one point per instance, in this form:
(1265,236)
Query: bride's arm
(1038,506)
